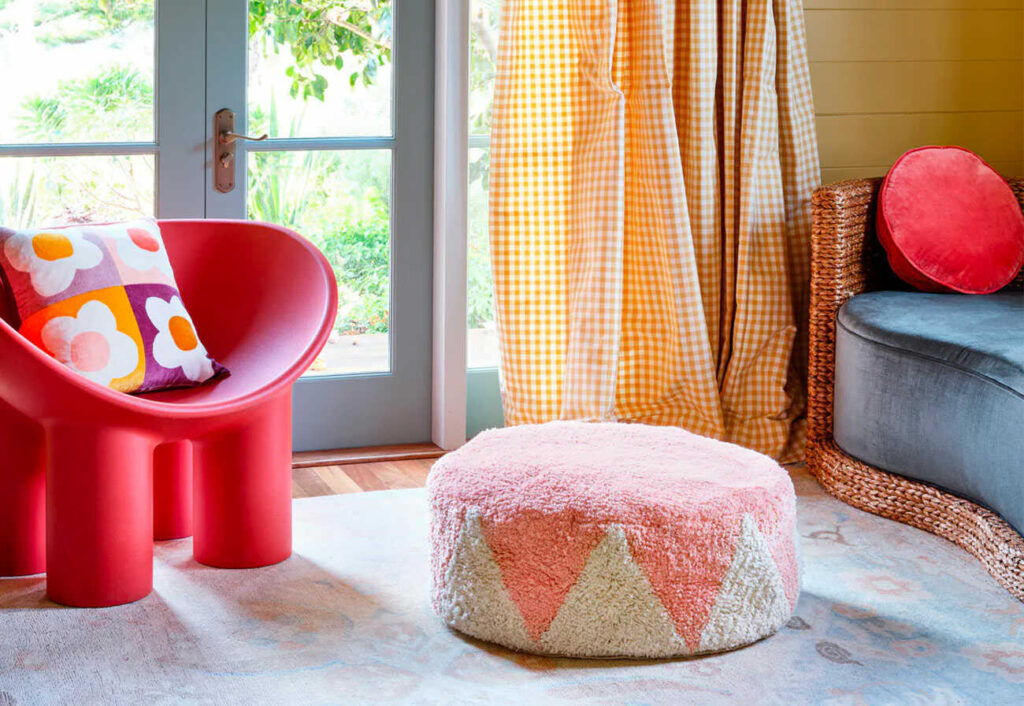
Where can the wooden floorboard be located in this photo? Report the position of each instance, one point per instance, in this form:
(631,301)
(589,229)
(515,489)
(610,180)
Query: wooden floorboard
(307,483)
(417,472)
(310,482)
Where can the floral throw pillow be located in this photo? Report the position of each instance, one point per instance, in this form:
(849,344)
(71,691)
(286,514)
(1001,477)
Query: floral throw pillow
(103,301)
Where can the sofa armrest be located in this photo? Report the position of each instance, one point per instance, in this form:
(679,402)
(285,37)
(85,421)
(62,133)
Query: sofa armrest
(846,260)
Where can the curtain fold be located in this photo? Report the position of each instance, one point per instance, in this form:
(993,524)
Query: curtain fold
(652,163)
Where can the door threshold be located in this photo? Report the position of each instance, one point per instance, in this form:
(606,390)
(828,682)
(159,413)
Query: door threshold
(367,454)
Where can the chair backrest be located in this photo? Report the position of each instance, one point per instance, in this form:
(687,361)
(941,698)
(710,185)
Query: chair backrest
(244,281)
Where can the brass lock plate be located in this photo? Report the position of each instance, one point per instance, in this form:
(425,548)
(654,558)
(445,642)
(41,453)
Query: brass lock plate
(224,151)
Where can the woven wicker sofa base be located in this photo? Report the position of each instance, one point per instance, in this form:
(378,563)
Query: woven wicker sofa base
(981,532)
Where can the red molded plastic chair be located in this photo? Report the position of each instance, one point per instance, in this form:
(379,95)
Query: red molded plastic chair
(89,477)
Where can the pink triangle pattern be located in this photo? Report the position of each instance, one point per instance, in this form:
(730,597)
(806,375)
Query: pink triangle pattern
(685,563)
(686,559)
(541,556)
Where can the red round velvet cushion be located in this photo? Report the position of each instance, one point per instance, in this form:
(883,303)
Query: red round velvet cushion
(950,223)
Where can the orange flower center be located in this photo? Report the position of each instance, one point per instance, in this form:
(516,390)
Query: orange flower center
(183,334)
(143,239)
(52,246)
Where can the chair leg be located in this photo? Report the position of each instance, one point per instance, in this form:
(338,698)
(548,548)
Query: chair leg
(99,516)
(22,495)
(172,491)
(243,492)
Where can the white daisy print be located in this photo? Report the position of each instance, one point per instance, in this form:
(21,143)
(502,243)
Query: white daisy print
(141,248)
(176,344)
(52,257)
(91,345)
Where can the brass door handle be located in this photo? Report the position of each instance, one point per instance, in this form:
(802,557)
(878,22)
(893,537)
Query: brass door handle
(226,138)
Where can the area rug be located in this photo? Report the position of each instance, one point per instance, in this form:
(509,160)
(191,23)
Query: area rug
(888,615)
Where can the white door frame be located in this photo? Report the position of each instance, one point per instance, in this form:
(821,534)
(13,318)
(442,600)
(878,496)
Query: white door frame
(180,107)
(451,193)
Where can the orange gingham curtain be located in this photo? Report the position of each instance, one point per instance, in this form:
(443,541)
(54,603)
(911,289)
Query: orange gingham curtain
(652,163)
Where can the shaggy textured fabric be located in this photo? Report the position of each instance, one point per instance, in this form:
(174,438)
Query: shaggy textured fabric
(887,615)
(612,540)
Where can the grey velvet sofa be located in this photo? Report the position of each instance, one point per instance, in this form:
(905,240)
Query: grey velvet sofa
(915,401)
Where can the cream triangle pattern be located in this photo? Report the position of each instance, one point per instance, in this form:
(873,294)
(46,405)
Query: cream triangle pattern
(751,602)
(612,611)
(474,599)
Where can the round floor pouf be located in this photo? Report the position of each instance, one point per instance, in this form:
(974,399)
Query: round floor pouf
(611,540)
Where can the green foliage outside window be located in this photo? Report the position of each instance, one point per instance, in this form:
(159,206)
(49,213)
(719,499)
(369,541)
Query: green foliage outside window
(325,33)
(115,104)
(339,200)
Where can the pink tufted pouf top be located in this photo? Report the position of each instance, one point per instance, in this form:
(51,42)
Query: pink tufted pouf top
(612,540)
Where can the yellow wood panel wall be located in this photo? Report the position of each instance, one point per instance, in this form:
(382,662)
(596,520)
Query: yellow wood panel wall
(889,75)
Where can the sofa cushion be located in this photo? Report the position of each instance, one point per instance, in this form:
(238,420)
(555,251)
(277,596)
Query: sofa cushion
(950,223)
(931,386)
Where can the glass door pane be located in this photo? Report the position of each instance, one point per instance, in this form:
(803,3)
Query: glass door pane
(77,71)
(323,72)
(341,201)
(482,340)
(37,191)
(483,398)
(343,89)
(77,120)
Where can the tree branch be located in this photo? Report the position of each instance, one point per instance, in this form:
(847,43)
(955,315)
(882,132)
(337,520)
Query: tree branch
(483,34)
(334,17)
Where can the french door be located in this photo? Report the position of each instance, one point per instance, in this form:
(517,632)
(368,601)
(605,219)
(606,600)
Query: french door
(114,115)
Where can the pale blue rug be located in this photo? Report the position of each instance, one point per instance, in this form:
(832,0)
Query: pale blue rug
(888,615)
